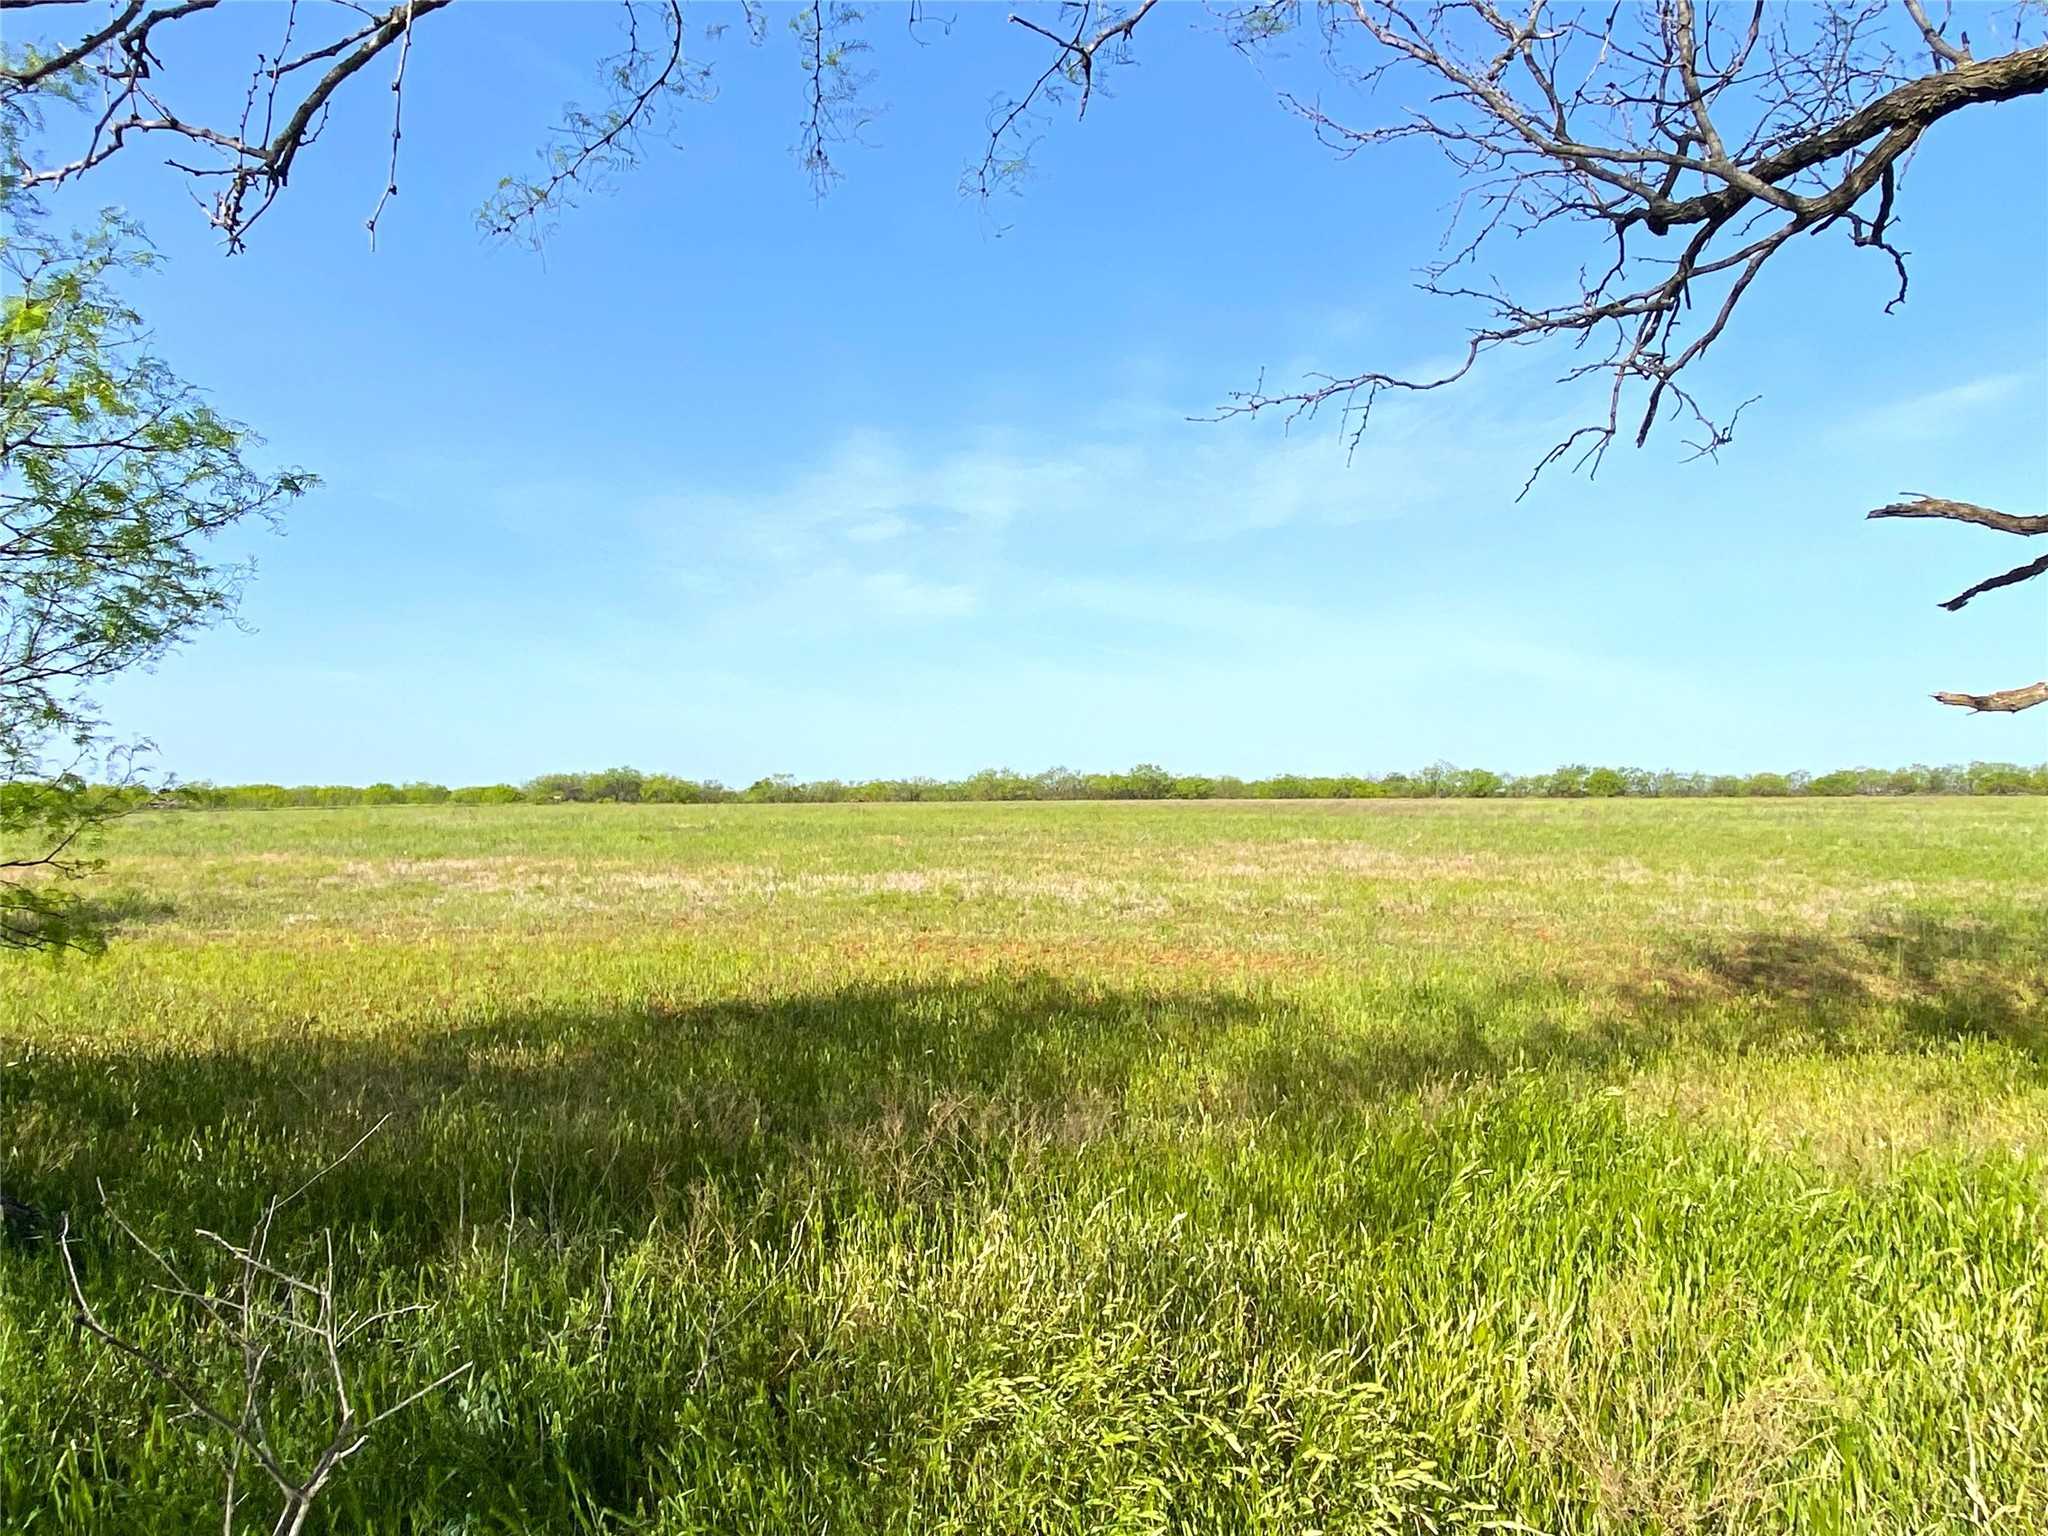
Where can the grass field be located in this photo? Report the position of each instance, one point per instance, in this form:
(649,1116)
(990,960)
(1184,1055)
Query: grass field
(1400,1166)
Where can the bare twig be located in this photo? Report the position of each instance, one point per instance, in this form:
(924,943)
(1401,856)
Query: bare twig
(355,1147)
(590,143)
(397,131)
(267,1313)
(1074,62)
(252,167)
(1077,53)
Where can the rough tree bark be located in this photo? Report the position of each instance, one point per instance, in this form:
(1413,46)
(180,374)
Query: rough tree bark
(2010,702)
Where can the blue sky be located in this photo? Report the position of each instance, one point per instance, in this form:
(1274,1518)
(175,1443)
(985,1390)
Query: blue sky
(730,481)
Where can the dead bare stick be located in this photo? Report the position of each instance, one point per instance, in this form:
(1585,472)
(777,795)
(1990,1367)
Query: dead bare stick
(279,1323)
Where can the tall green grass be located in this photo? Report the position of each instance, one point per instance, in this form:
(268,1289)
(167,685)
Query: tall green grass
(1556,1167)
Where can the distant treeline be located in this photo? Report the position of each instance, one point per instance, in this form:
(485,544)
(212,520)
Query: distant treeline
(1144,782)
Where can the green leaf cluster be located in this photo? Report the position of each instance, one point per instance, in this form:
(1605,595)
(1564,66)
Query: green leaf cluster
(116,478)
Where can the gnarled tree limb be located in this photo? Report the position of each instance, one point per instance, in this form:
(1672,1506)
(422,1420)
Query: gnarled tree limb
(1720,132)
(1917,504)
(2010,702)
(1961,512)
(2011,578)
(1911,108)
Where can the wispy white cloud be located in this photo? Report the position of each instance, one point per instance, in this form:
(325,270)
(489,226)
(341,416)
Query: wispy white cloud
(1399,645)
(832,600)
(1006,525)
(879,529)
(904,596)
(1135,475)
(1934,414)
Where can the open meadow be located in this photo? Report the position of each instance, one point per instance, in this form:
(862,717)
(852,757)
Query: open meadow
(1567,1166)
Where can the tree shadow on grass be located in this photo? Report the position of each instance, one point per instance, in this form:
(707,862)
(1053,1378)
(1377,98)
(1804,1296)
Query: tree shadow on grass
(1934,980)
(609,1115)
(1912,984)
(114,911)
(553,1138)
(613,1117)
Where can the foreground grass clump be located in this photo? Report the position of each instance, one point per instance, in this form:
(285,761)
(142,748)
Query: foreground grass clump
(1562,1167)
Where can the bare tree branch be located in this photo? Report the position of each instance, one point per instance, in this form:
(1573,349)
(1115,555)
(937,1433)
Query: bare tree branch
(590,144)
(263,1297)
(2009,702)
(34,74)
(1074,64)
(1077,53)
(1961,512)
(1908,110)
(1919,505)
(397,130)
(1742,127)
(120,61)
(1944,51)
(2011,578)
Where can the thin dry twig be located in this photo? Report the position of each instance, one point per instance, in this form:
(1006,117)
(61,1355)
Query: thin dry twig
(268,1313)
